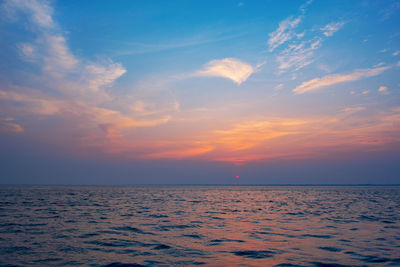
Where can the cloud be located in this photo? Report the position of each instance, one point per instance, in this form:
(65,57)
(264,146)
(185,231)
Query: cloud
(249,134)
(318,83)
(101,76)
(283,33)
(50,48)
(298,53)
(27,51)
(389,11)
(383,89)
(272,138)
(352,109)
(298,56)
(230,68)
(40,12)
(33,101)
(329,29)
(73,90)
(8,126)
(57,53)
(77,97)
(396,53)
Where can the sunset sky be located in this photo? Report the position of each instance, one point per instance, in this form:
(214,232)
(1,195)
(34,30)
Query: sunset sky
(193,92)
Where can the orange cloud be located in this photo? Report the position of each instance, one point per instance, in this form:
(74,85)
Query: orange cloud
(263,139)
(249,134)
(273,138)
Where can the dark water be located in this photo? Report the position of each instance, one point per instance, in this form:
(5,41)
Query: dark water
(194,225)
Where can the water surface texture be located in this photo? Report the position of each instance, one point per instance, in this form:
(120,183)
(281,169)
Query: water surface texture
(195,225)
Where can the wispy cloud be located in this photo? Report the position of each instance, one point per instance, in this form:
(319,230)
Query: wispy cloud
(286,29)
(351,110)
(50,48)
(101,76)
(229,68)
(298,52)
(389,11)
(57,53)
(203,38)
(283,33)
(72,89)
(27,51)
(8,125)
(318,83)
(39,11)
(298,56)
(279,87)
(329,29)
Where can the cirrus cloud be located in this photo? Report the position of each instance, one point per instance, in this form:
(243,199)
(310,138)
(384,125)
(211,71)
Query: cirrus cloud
(318,83)
(329,29)
(283,33)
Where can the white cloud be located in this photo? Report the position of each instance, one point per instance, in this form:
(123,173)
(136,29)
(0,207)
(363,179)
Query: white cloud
(365,92)
(230,68)
(329,80)
(58,54)
(396,53)
(40,12)
(299,52)
(298,56)
(329,29)
(103,75)
(283,33)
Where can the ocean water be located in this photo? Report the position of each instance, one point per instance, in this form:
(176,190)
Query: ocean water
(196,225)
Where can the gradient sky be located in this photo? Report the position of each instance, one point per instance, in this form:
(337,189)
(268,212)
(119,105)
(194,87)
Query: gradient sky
(127,92)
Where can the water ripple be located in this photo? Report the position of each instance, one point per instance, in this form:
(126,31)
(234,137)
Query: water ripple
(199,225)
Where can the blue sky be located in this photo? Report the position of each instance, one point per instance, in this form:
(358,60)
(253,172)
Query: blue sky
(199,91)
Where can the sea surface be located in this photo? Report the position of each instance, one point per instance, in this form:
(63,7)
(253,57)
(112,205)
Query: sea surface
(200,225)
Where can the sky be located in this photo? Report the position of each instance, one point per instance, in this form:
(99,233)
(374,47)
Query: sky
(199,92)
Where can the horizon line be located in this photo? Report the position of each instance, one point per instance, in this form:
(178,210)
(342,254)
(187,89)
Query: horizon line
(173,184)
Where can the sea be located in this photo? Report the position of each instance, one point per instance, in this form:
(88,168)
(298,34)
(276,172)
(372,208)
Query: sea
(200,225)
